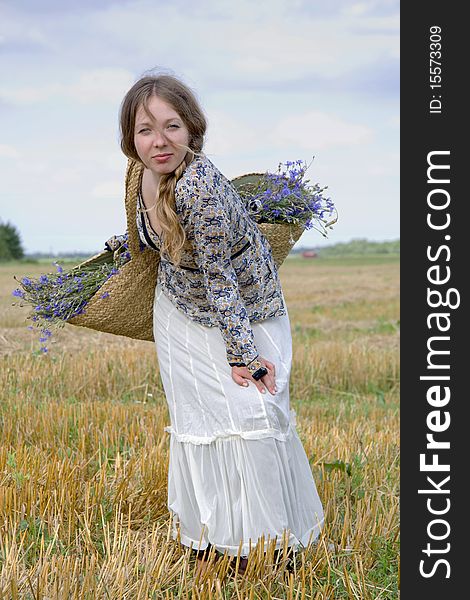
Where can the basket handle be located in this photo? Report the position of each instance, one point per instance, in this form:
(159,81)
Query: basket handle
(133,182)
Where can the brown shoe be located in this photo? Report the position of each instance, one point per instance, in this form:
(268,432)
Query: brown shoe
(242,565)
(289,564)
(203,560)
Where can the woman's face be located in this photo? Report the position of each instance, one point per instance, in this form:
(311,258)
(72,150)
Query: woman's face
(155,138)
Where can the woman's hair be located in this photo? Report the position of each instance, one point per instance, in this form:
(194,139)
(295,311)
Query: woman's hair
(182,99)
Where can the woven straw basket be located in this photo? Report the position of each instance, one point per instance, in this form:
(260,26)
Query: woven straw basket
(128,309)
(281,236)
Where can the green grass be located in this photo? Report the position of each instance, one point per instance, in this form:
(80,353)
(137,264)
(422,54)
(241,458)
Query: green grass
(347,260)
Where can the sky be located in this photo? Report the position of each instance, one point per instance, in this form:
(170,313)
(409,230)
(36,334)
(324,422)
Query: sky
(278,80)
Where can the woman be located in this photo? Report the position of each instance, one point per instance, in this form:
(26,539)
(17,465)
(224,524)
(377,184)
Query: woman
(237,467)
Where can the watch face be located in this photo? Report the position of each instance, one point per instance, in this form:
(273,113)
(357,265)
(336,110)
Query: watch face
(254,366)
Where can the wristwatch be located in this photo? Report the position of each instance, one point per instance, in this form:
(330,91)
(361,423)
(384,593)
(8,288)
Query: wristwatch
(256,368)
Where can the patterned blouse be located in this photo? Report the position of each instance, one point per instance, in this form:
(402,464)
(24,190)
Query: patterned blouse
(229,278)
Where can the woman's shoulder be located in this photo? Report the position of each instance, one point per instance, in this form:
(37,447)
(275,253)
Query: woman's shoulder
(201,176)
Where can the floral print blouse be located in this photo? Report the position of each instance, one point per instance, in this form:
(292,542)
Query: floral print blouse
(229,278)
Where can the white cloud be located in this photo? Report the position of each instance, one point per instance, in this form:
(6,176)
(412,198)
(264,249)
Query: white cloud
(315,129)
(66,176)
(246,39)
(369,6)
(21,31)
(7,151)
(358,8)
(102,85)
(228,135)
(24,95)
(95,86)
(237,44)
(108,189)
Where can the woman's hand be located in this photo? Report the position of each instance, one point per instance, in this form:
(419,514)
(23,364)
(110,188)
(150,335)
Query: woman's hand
(242,376)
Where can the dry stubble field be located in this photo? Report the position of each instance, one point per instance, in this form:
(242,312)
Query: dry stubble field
(84,458)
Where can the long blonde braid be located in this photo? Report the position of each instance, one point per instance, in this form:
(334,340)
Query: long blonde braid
(164,206)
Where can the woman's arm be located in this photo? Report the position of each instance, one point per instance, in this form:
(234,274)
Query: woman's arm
(212,244)
(115,242)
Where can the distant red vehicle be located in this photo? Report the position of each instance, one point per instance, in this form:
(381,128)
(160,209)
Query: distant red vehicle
(309,254)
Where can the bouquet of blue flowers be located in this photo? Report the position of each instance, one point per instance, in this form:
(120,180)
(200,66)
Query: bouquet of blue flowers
(286,197)
(60,296)
(284,204)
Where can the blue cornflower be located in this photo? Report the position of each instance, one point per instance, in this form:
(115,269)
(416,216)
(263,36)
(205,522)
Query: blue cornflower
(18,293)
(26,281)
(43,279)
(113,271)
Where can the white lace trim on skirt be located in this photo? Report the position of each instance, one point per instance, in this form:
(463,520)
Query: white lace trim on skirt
(246,435)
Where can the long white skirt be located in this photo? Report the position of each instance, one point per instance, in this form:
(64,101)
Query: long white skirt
(237,467)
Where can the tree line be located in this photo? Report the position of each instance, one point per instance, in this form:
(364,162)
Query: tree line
(358,246)
(11,247)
